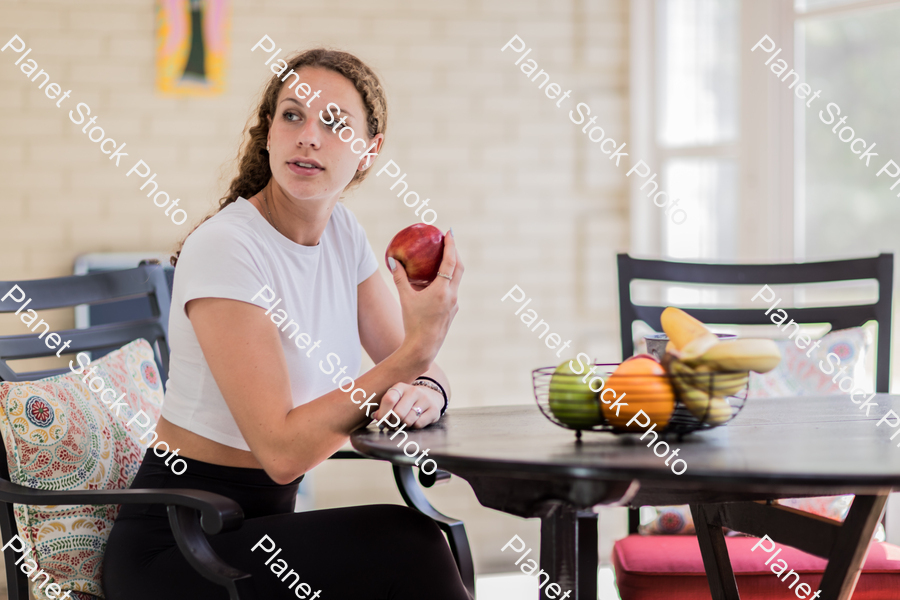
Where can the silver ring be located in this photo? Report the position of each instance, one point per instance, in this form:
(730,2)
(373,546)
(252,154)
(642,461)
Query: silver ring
(450,277)
(418,410)
(396,390)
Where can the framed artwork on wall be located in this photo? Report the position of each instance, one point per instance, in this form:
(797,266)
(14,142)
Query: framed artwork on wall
(191,46)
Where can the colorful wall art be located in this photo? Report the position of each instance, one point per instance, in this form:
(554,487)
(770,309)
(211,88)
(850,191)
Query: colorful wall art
(191,46)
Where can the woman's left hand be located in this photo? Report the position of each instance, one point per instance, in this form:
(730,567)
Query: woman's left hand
(416,405)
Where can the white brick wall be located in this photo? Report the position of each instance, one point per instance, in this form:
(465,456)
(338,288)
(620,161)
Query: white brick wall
(532,202)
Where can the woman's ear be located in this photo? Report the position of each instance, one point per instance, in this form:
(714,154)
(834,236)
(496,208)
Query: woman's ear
(372,149)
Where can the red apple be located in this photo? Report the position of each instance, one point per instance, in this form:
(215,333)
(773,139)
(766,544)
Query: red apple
(419,248)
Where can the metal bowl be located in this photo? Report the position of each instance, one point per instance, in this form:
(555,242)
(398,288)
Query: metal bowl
(688,415)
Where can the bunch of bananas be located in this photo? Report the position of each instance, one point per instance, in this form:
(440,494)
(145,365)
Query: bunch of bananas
(705,370)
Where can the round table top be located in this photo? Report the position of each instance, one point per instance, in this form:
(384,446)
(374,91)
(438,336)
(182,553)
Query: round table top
(821,444)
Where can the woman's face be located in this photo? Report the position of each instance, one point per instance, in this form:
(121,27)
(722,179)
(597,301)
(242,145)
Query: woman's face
(309,160)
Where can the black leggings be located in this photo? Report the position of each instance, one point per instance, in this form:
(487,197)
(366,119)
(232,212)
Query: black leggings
(360,553)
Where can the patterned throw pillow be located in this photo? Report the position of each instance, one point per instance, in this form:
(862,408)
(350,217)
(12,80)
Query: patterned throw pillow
(666,520)
(59,435)
(830,507)
(800,375)
(796,375)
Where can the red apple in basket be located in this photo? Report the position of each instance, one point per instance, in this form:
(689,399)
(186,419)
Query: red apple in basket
(419,248)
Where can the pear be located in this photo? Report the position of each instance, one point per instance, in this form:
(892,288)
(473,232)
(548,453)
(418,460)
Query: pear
(572,401)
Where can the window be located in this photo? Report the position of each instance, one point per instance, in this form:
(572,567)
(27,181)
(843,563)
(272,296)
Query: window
(848,50)
(765,179)
(694,83)
(761,177)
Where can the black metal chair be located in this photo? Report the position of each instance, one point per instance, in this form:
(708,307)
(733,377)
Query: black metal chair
(880,268)
(191,512)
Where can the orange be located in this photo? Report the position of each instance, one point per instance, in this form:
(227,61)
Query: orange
(642,384)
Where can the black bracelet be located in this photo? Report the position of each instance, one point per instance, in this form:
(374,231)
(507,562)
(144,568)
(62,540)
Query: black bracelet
(443,393)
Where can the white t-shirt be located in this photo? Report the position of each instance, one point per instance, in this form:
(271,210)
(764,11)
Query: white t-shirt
(233,255)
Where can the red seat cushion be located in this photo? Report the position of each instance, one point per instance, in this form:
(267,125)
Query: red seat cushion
(670,568)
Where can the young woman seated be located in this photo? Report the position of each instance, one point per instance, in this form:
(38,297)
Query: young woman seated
(250,410)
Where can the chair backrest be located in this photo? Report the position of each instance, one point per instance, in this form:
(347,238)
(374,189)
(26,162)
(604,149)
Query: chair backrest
(880,268)
(62,292)
(116,311)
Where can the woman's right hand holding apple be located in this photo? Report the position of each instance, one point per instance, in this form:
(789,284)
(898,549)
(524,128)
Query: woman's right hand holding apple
(427,313)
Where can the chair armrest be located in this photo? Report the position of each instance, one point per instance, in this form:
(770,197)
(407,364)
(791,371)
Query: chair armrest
(424,479)
(196,550)
(217,513)
(437,477)
(454,528)
(414,497)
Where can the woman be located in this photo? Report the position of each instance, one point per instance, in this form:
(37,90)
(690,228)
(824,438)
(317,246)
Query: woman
(248,401)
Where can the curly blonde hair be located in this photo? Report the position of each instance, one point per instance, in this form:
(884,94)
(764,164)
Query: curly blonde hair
(254,172)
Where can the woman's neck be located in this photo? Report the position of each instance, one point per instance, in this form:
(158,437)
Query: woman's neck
(301,222)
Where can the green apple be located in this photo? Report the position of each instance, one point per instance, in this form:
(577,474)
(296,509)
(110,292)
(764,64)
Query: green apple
(571,400)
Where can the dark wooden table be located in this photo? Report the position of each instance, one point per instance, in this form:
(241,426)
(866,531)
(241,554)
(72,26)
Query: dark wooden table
(518,462)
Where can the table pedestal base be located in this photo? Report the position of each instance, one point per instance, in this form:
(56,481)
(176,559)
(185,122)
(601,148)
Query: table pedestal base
(569,551)
(569,533)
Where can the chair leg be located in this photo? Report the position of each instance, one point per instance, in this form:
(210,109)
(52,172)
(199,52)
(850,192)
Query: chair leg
(454,528)
(634,520)
(722,584)
(192,542)
(851,547)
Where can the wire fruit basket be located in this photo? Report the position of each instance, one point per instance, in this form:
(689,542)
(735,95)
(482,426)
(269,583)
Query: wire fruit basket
(679,403)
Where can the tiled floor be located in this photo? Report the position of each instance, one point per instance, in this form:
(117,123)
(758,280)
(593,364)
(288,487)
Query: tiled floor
(516,586)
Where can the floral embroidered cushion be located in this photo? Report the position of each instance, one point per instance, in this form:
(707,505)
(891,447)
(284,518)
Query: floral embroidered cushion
(59,435)
(797,375)
(801,375)
(666,520)
(830,507)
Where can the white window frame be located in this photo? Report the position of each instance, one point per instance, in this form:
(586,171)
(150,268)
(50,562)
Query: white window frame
(770,209)
(794,17)
(647,222)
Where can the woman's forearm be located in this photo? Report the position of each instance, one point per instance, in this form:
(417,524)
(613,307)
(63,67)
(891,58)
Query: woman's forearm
(249,367)
(317,429)
(341,412)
